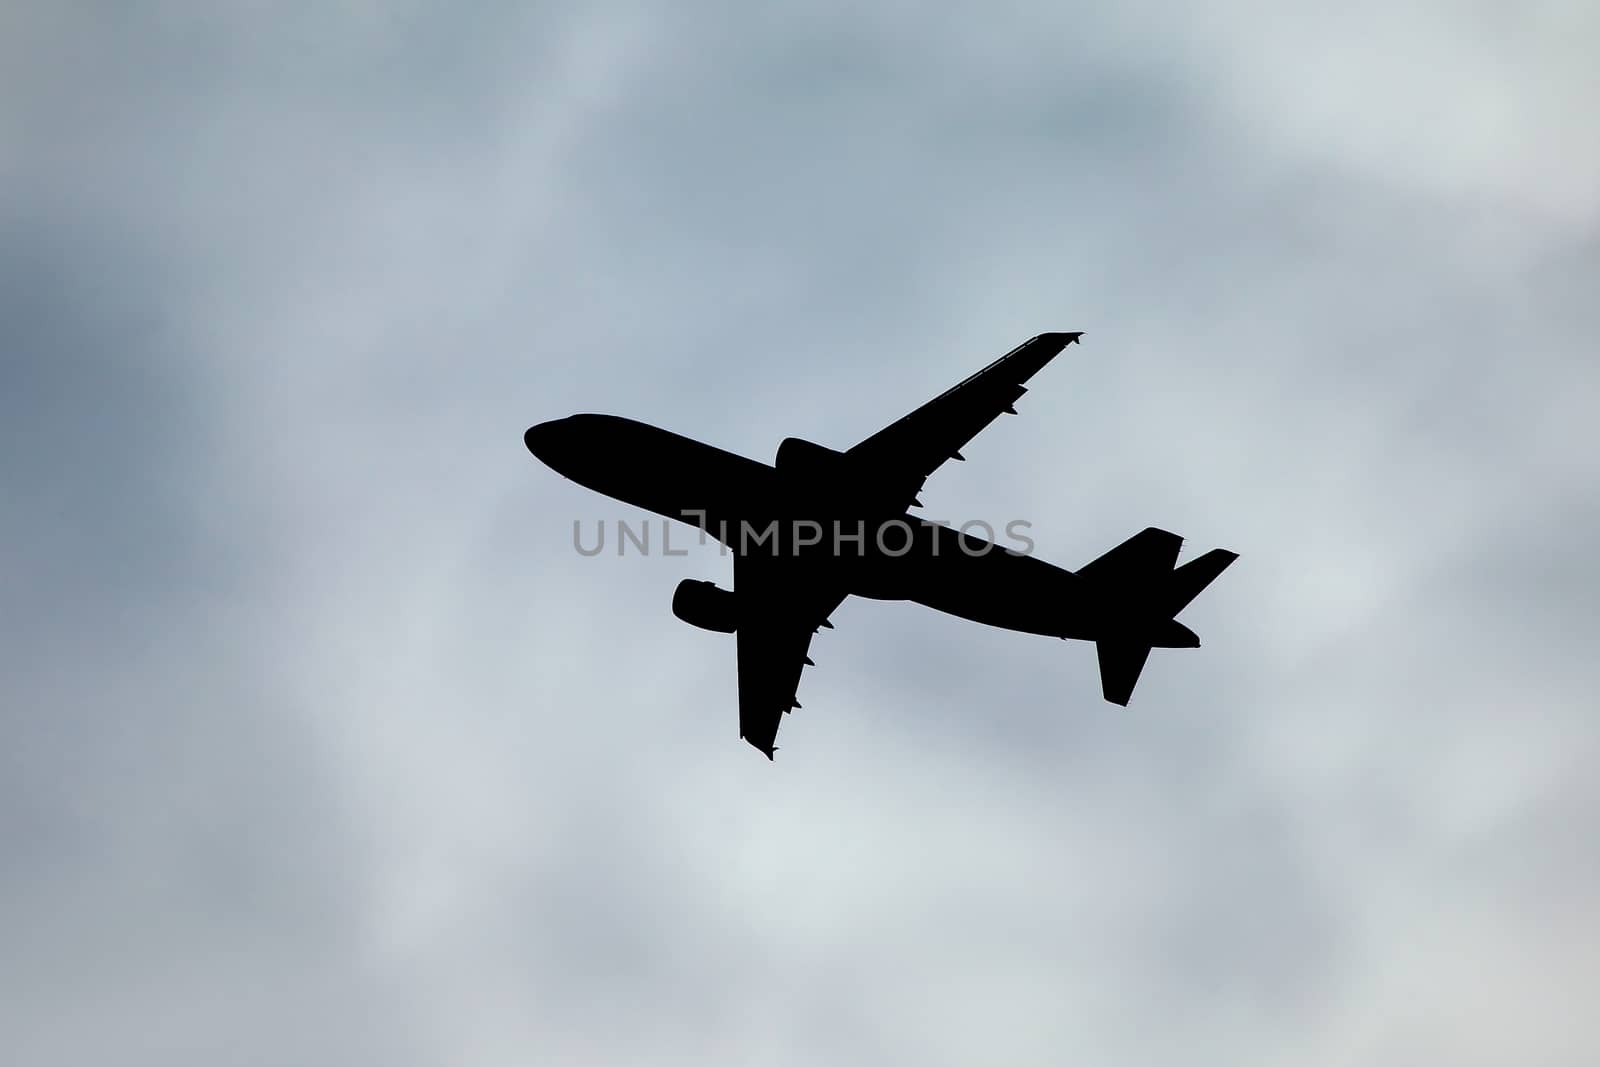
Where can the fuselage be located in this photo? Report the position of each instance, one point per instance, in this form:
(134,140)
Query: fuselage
(755,507)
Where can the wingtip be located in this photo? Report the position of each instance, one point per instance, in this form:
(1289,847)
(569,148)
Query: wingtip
(1056,339)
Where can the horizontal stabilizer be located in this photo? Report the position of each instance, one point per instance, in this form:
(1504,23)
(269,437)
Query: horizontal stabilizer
(1146,554)
(1120,664)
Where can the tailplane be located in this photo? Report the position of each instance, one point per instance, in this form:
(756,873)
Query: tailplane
(1142,591)
(1120,664)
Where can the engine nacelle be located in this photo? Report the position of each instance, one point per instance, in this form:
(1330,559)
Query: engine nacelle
(704,605)
(843,477)
(798,457)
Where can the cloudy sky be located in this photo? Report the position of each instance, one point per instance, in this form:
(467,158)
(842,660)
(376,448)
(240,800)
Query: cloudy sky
(319,744)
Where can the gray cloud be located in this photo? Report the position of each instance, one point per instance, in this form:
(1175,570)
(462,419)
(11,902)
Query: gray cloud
(322,744)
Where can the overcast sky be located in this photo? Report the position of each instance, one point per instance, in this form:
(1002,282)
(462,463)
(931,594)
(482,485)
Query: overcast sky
(319,743)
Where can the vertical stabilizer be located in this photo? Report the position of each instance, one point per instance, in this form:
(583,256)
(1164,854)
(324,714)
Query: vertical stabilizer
(1188,580)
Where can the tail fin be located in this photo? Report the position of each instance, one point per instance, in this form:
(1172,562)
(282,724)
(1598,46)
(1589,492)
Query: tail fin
(1150,591)
(1188,580)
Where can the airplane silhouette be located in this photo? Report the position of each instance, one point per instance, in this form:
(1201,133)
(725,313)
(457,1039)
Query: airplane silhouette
(819,525)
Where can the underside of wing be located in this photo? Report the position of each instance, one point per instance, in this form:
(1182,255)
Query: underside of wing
(782,603)
(915,446)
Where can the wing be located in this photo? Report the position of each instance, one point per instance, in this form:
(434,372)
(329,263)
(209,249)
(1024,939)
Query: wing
(909,450)
(782,603)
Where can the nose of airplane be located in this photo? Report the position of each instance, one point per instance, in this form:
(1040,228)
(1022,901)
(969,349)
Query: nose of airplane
(542,439)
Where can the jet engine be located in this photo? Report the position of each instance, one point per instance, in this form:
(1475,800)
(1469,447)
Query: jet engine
(843,477)
(805,459)
(704,605)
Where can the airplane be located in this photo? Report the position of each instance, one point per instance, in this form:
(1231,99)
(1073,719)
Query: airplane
(818,525)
